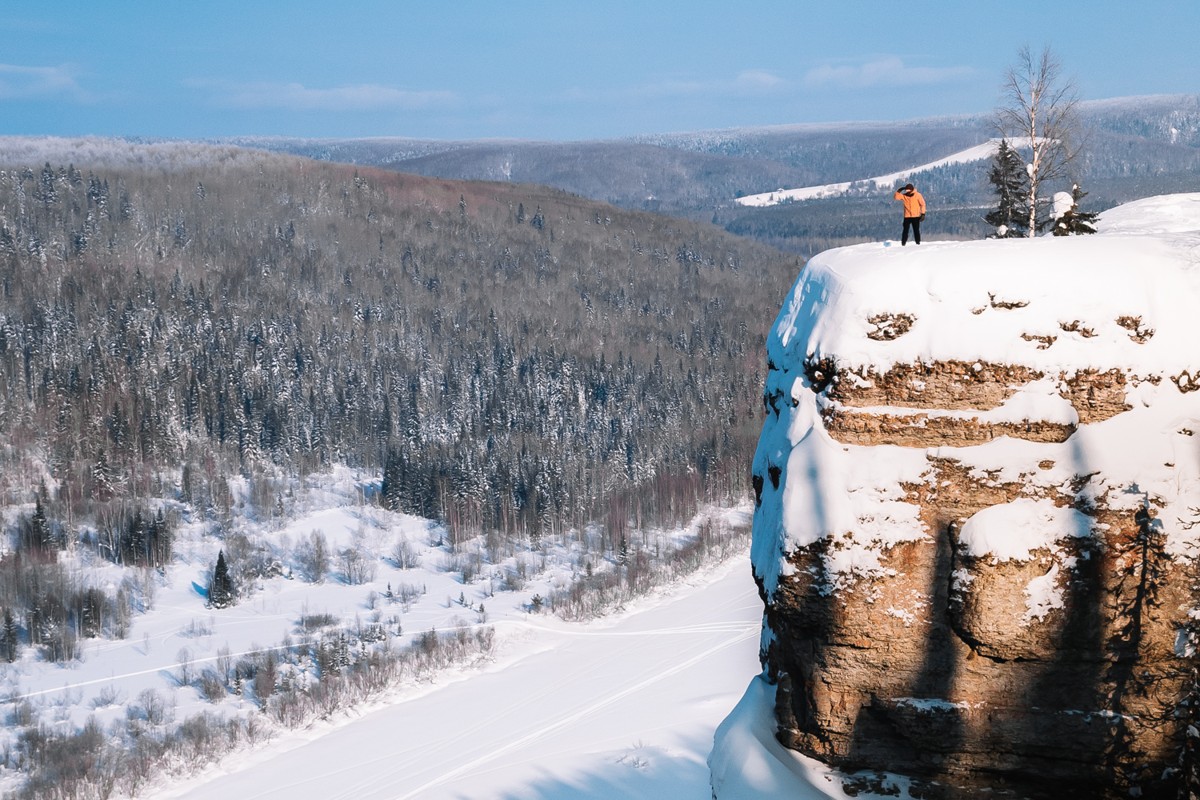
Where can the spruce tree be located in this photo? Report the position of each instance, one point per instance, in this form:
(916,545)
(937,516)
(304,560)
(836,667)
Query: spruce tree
(41,535)
(1010,182)
(1076,221)
(220,590)
(8,637)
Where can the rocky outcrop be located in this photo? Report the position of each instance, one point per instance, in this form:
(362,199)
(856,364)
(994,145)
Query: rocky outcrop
(976,491)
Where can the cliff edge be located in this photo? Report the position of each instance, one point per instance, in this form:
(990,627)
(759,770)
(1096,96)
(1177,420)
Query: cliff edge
(978,489)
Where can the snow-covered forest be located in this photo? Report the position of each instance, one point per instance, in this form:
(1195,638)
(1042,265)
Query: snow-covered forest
(195,342)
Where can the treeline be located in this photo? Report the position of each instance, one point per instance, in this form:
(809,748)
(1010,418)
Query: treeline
(509,358)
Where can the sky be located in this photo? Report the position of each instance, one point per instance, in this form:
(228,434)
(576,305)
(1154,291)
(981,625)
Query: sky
(553,69)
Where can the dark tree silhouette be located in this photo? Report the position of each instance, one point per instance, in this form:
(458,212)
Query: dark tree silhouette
(1010,182)
(220,589)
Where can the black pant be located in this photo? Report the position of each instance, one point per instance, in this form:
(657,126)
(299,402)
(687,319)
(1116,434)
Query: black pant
(915,224)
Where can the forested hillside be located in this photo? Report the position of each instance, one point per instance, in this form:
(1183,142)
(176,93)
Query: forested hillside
(512,360)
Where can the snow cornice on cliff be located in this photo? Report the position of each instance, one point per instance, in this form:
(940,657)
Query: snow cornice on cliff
(1124,298)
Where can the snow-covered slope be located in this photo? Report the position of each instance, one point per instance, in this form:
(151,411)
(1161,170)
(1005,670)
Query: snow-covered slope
(178,661)
(979,152)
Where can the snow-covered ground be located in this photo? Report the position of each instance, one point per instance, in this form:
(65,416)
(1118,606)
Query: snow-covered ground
(621,707)
(414,582)
(979,152)
(624,707)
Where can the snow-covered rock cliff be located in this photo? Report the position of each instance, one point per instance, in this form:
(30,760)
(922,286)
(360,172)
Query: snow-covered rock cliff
(978,487)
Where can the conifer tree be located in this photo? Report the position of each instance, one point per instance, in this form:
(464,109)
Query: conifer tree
(8,637)
(102,477)
(1075,221)
(41,535)
(1010,182)
(220,590)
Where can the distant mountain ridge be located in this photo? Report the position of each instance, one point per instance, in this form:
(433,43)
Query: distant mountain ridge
(1137,147)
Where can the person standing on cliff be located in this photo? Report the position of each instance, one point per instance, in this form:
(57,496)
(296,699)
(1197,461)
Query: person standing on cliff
(914,212)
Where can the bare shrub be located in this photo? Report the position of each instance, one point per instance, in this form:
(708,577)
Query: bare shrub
(212,685)
(514,580)
(406,593)
(107,696)
(404,555)
(315,622)
(224,662)
(265,678)
(23,714)
(312,557)
(357,567)
(185,674)
(197,629)
(467,564)
(150,707)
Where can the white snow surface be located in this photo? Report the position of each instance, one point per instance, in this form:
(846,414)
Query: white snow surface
(626,707)
(1042,595)
(1125,298)
(1013,531)
(622,707)
(1063,202)
(1165,214)
(749,763)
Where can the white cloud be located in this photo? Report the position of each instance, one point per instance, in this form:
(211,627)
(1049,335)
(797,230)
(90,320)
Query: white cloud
(758,80)
(297,97)
(746,83)
(887,71)
(19,83)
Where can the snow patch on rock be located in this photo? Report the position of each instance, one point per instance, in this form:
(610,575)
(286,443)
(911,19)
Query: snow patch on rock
(1013,531)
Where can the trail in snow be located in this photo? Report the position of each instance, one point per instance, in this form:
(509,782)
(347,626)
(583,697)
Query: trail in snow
(623,708)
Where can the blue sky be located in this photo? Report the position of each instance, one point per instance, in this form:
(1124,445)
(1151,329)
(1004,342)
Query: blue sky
(550,69)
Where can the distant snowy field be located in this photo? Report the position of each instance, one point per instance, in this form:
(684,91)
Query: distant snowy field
(979,152)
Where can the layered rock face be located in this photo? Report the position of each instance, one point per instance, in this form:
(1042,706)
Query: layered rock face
(978,494)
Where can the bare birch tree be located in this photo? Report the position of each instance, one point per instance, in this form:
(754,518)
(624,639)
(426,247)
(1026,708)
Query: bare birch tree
(1038,114)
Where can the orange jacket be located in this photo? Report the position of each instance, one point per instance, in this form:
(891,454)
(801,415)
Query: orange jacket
(914,204)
